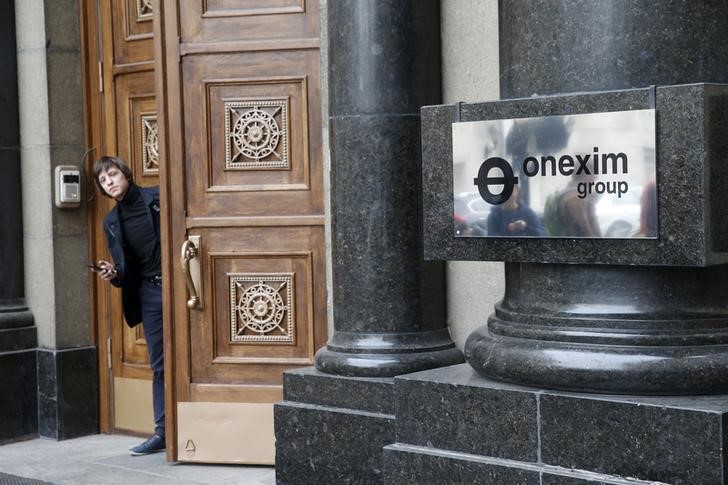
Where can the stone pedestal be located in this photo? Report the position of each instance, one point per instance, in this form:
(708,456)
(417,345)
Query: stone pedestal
(331,429)
(454,426)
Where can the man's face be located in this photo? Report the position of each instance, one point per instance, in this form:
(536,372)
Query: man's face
(114,182)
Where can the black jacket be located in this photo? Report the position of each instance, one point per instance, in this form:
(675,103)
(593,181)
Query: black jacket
(128,277)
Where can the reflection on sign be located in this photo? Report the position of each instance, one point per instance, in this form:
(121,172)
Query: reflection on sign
(575,176)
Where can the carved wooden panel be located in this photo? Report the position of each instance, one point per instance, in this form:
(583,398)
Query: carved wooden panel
(133,353)
(262,318)
(230,8)
(260,156)
(256,134)
(261,303)
(262,307)
(144,10)
(130,355)
(149,140)
(132,26)
(119,77)
(258,126)
(135,121)
(205,21)
(137,125)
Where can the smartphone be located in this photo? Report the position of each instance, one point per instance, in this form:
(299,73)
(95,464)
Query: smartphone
(95,268)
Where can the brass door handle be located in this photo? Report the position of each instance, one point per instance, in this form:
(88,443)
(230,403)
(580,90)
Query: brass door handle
(190,251)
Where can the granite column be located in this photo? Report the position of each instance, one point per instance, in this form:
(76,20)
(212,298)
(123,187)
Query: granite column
(651,328)
(389,305)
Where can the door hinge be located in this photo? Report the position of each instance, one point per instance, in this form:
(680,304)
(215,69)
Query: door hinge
(101,76)
(108,352)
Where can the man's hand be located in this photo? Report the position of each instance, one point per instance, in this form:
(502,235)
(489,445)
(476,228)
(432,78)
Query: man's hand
(108,271)
(518,225)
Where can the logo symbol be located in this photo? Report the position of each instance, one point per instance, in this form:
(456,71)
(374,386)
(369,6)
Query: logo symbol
(484,181)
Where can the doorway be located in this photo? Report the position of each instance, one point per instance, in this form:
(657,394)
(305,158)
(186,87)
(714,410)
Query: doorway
(218,102)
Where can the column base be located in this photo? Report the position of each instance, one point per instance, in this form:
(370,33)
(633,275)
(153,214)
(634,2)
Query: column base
(14,314)
(17,327)
(19,378)
(603,369)
(387,355)
(609,329)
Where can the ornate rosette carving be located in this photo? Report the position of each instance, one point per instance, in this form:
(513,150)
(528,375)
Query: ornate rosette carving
(256,134)
(150,144)
(261,307)
(144,10)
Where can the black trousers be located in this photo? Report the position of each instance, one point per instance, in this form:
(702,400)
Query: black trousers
(150,296)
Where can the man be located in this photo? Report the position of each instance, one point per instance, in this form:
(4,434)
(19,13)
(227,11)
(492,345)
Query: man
(132,235)
(514,219)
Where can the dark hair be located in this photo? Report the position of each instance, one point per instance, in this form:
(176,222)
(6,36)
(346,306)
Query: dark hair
(104,163)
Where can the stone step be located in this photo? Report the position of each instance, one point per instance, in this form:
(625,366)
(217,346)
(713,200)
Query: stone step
(308,385)
(414,465)
(332,429)
(670,439)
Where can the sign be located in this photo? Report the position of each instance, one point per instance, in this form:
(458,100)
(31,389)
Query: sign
(573,176)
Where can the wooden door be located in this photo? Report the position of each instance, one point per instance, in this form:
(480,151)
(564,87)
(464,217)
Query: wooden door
(242,177)
(122,120)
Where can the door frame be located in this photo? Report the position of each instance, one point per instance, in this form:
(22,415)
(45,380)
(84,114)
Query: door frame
(95,129)
(95,22)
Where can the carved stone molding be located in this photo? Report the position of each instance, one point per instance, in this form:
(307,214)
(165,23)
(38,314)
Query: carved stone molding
(261,307)
(256,134)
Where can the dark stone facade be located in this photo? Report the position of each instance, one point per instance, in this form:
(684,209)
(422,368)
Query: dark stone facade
(68,393)
(18,386)
(459,424)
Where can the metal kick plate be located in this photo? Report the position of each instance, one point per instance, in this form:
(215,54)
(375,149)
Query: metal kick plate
(225,432)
